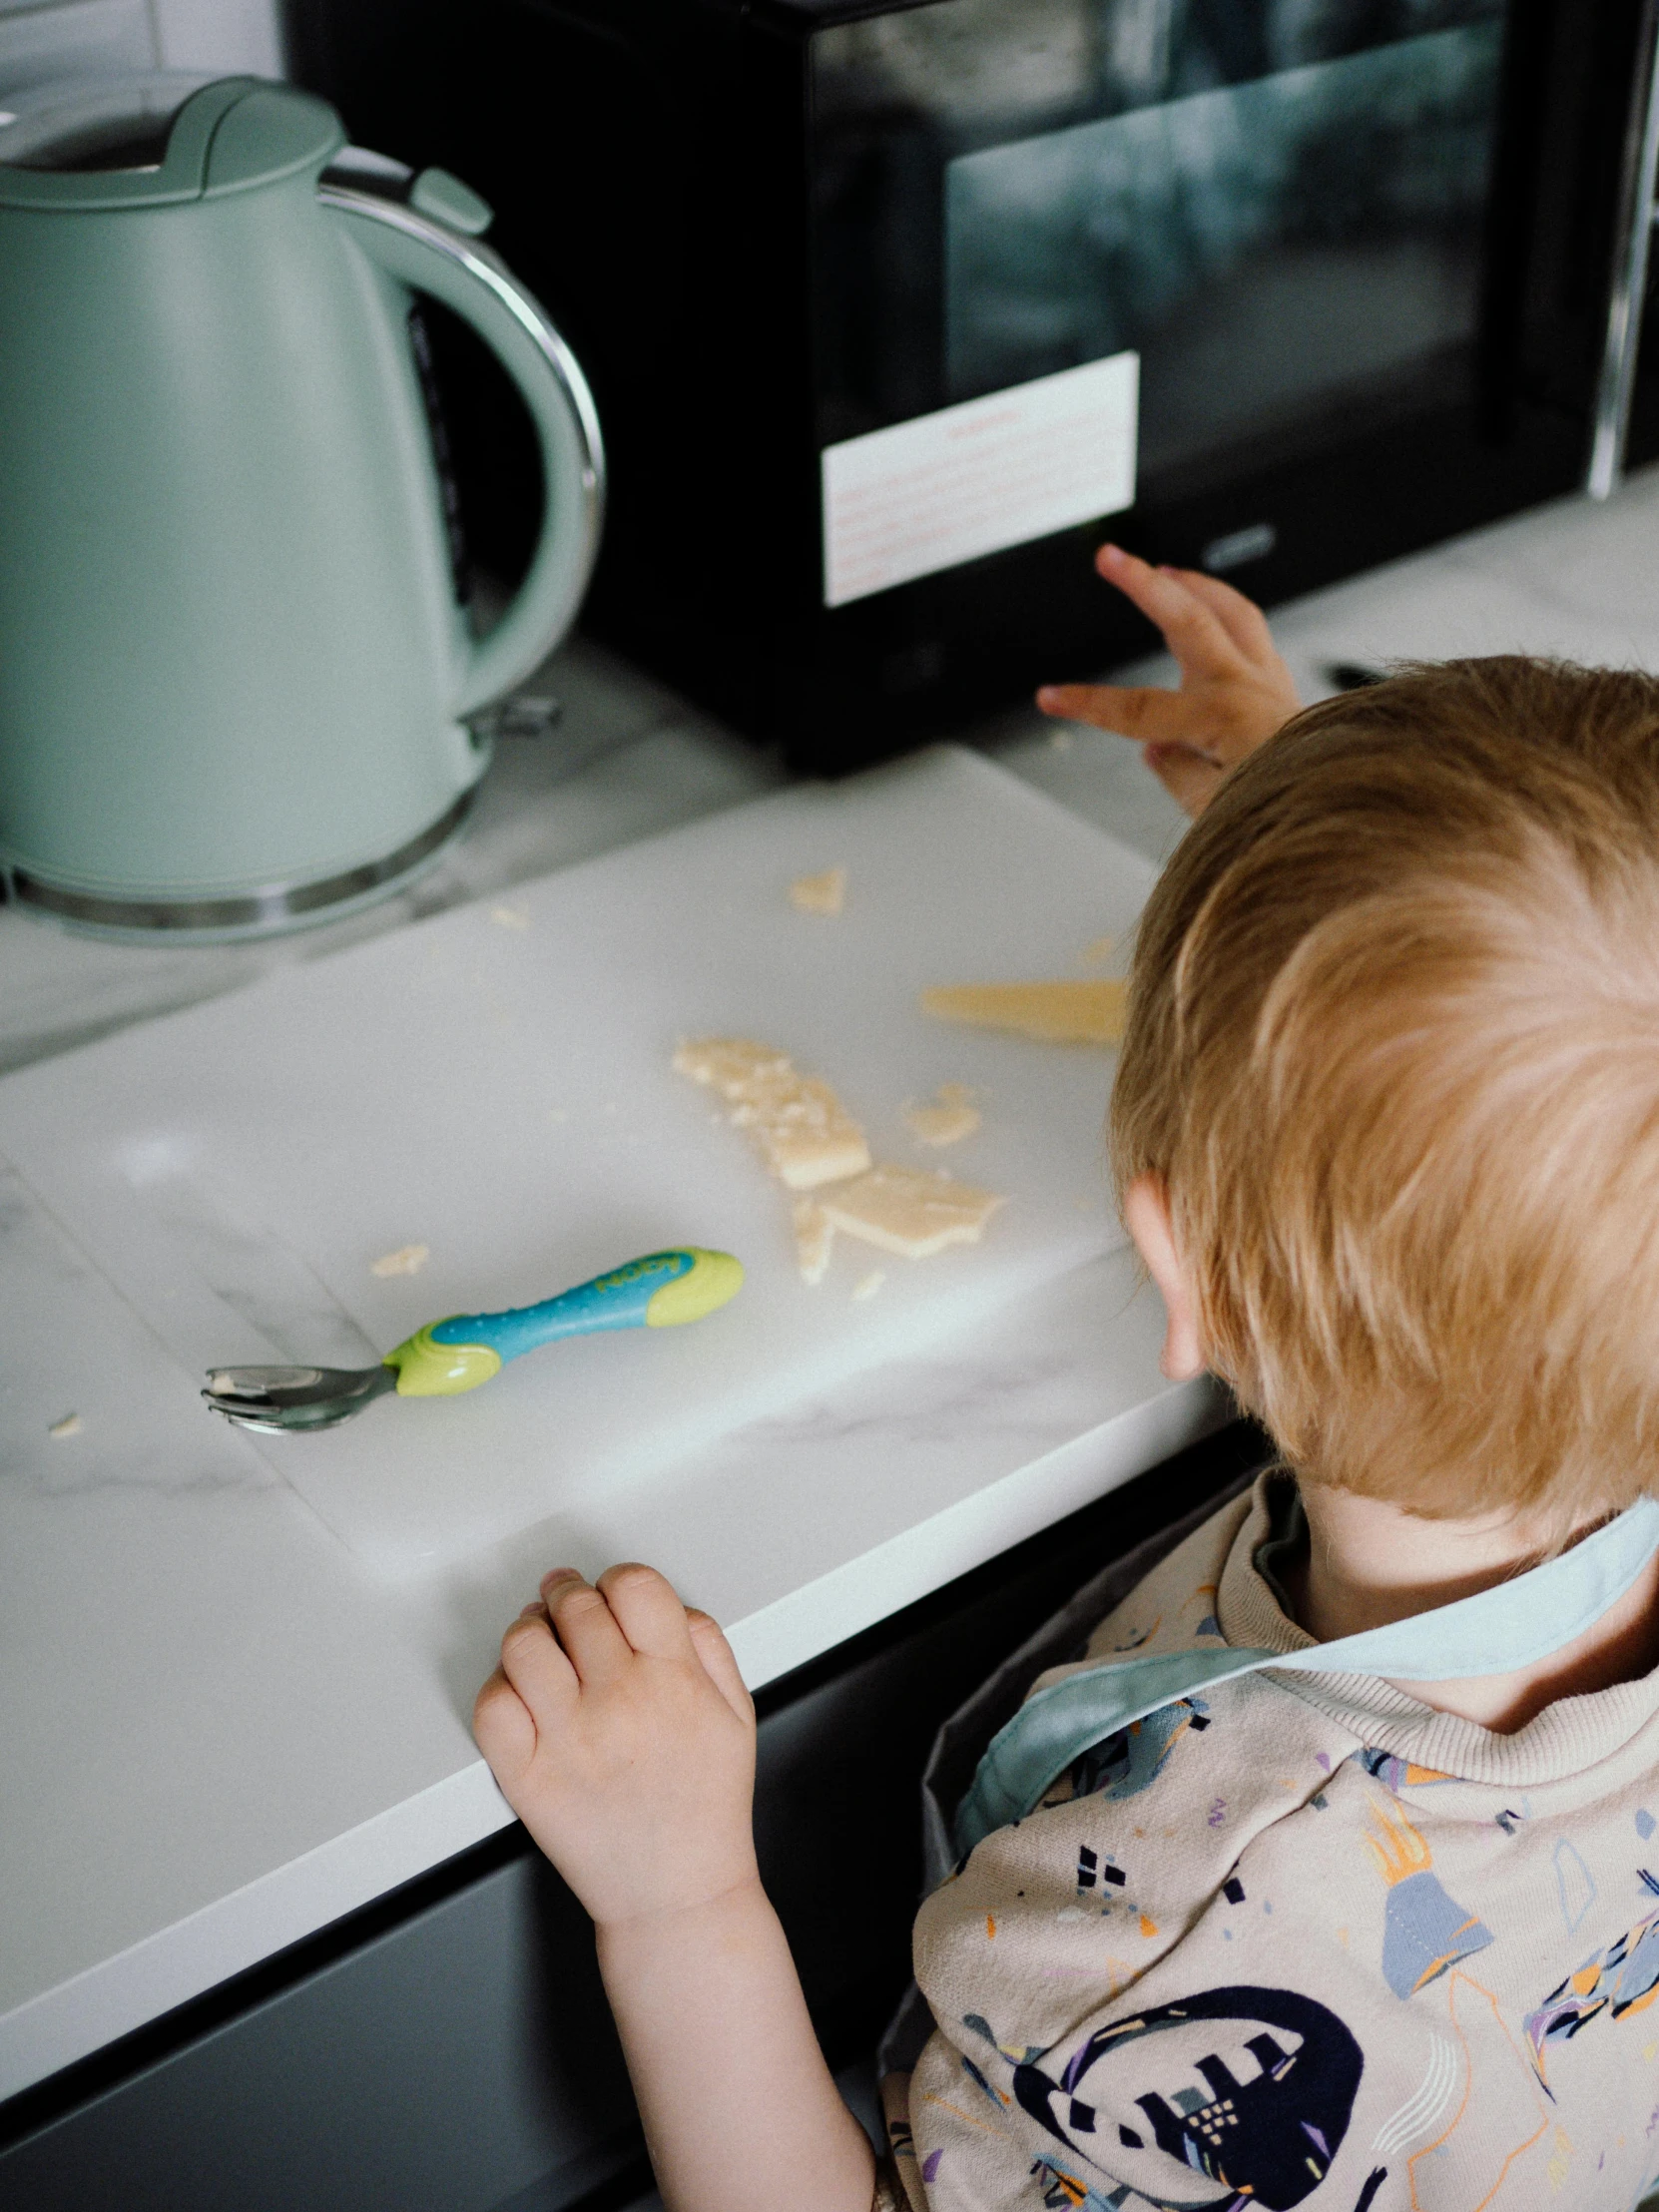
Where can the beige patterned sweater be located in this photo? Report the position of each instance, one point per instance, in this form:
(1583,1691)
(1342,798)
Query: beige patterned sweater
(1299,1941)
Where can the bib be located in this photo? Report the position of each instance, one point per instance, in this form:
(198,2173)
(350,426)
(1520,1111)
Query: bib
(1494,1632)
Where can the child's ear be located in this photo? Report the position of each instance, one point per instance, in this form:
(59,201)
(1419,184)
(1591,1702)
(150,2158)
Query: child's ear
(1146,1216)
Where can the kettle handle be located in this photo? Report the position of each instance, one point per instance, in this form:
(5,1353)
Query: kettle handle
(452,268)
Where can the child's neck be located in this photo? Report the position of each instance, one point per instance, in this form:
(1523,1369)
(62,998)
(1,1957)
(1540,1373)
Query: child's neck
(1368,1563)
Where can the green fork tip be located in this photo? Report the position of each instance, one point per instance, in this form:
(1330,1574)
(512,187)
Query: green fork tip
(713,1278)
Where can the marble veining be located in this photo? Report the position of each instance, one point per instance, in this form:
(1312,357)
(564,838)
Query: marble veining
(77,1353)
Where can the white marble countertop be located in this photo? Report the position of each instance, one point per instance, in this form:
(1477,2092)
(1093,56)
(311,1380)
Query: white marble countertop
(217,1734)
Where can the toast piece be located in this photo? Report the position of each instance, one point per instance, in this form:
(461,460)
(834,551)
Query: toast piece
(814,1237)
(1057,1013)
(948,1120)
(913,1211)
(804,1133)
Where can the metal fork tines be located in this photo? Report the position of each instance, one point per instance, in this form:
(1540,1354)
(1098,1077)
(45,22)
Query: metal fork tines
(277,1398)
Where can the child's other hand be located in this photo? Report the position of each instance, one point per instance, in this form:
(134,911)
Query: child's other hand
(1235,689)
(620,1734)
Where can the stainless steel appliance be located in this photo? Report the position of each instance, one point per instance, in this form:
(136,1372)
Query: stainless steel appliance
(894,312)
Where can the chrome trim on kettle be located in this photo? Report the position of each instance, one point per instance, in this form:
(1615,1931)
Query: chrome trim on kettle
(242,913)
(358,197)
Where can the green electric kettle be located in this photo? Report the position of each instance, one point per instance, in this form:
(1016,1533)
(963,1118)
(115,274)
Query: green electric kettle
(235,672)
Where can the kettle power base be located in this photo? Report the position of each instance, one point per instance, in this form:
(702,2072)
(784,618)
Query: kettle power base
(224,918)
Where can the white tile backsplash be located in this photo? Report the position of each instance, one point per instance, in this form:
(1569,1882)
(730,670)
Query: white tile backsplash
(232,35)
(79,38)
(88,39)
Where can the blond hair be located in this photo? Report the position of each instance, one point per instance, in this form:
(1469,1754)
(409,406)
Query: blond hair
(1392,1047)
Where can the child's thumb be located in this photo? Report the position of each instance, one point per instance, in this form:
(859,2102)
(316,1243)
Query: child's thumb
(719,1664)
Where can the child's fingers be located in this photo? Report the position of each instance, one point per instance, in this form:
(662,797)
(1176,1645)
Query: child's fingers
(534,1665)
(1196,636)
(1237,615)
(720,1663)
(645,1607)
(1147,713)
(503,1727)
(584,1624)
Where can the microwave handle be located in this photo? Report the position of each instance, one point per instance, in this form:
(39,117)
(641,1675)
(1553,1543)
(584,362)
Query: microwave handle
(1638,220)
(450,266)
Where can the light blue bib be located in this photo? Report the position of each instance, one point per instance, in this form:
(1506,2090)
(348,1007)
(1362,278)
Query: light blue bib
(1494,1632)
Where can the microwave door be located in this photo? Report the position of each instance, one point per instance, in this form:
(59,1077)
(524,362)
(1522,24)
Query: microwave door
(1277,211)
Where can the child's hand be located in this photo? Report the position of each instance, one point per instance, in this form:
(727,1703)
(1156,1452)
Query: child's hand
(1235,689)
(619,1730)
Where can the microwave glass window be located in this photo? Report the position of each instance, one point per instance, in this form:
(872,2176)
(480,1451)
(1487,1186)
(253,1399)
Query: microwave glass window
(1276,204)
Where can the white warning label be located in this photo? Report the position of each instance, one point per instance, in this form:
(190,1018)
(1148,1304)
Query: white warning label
(970,479)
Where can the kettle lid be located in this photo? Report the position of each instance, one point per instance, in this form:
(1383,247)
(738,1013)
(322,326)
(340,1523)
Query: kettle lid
(156,139)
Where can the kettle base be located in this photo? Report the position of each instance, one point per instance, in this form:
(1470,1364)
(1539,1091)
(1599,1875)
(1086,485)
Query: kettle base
(225,917)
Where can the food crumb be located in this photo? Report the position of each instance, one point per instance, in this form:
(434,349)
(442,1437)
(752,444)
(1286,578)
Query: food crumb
(913,1211)
(820,894)
(805,1132)
(867,1284)
(1059,1013)
(948,1120)
(814,1237)
(70,1425)
(510,918)
(406,1259)
(1062,740)
(558,1114)
(1096,951)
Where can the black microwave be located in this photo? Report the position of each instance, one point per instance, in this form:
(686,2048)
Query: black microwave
(893,312)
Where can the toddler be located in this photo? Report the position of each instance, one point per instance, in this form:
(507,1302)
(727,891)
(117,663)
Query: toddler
(1324,1876)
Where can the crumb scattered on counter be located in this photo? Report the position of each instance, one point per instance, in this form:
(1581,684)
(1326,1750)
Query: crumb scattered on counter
(805,1134)
(1056,1013)
(558,1113)
(1062,740)
(867,1284)
(913,1211)
(814,1237)
(948,1120)
(406,1259)
(70,1425)
(812,1144)
(730,1065)
(510,918)
(1096,951)
(820,894)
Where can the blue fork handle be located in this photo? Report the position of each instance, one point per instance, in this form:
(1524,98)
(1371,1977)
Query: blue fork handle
(660,1290)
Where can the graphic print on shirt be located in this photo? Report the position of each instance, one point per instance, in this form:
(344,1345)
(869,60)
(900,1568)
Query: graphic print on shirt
(1131,1759)
(1251,2089)
(1620,1978)
(1479,2147)
(1203,1599)
(1397,1774)
(1416,2119)
(1380,1881)
(1424,1933)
